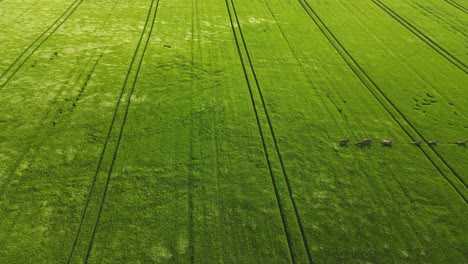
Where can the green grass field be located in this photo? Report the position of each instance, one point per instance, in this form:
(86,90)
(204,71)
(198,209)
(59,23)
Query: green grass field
(207,131)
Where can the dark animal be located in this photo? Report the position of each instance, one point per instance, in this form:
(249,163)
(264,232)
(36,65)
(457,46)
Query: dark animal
(365,142)
(432,143)
(417,143)
(388,143)
(344,142)
(461,143)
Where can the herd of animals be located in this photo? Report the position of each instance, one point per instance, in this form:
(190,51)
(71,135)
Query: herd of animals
(389,143)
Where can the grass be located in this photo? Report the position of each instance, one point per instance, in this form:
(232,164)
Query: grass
(207,132)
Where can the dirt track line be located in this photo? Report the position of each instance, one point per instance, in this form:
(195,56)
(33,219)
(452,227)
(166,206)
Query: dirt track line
(418,33)
(410,130)
(109,134)
(457,6)
(232,14)
(37,43)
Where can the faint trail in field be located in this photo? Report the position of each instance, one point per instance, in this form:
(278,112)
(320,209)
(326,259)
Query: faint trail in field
(408,213)
(411,131)
(303,69)
(136,62)
(243,46)
(436,47)
(457,6)
(429,12)
(23,12)
(41,132)
(42,129)
(37,43)
(85,84)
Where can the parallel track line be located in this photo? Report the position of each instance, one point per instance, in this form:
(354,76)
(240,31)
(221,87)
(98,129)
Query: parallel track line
(267,158)
(275,141)
(263,104)
(41,130)
(119,140)
(457,6)
(37,43)
(18,17)
(383,99)
(111,128)
(25,151)
(422,36)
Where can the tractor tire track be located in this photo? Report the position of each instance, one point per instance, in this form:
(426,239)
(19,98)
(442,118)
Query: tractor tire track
(135,62)
(278,201)
(241,45)
(37,43)
(418,33)
(410,130)
(457,6)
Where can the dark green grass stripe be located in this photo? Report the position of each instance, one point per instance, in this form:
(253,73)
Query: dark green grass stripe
(37,43)
(386,103)
(457,6)
(104,150)
(422,36)
(277,194)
